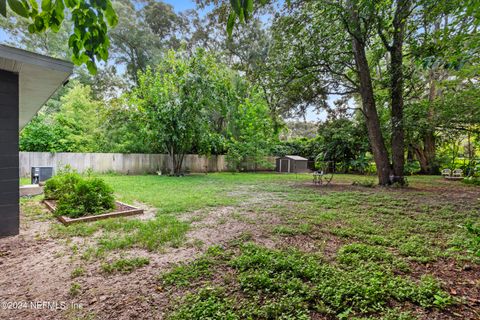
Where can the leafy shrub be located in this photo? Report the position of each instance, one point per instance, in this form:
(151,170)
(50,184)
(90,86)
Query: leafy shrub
(472,180)
(411,167)
(77,196)
(61,184)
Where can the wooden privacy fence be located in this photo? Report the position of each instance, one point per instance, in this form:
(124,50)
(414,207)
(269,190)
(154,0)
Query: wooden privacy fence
(127,163)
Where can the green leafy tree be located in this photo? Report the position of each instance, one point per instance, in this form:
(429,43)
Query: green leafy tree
(38,135)
(251,132)
(349,62)
(121,129)
(78,121)
(343,142)
(175,100)
(73,128)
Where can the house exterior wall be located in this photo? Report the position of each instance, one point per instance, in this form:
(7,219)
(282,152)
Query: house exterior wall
(9,182)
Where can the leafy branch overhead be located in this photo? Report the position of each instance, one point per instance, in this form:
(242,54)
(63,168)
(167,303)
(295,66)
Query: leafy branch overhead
(241,9)
(91,19)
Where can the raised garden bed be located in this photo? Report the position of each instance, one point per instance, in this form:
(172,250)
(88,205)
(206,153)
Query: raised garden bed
(121,210)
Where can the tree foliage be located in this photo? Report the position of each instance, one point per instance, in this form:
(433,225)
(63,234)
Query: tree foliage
(198,103)
(74,128)
(357,49)
(90,19)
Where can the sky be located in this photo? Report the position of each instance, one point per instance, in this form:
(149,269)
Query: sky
(182,5)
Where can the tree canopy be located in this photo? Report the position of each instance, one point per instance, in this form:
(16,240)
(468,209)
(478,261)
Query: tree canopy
(392,84)
(90,20)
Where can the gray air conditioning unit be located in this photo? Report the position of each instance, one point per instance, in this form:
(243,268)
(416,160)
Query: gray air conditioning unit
(40,174)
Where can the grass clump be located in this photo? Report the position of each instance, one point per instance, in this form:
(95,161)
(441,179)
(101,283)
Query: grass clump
(75,289)
(151,234)
(77,272)
(356,254)
(125,265)
(124,233)
(78,196)
(184,274)
(207,303)
(292,230)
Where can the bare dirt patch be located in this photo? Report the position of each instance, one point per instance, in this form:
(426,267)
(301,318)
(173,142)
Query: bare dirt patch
(38,268)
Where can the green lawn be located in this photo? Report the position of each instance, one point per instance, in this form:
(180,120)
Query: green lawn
(180,194)
(343,251)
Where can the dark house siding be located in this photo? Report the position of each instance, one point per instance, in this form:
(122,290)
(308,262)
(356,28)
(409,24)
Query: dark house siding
(9,182)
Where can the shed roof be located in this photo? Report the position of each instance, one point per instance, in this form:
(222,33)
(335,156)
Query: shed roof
(296,158)
(39,78)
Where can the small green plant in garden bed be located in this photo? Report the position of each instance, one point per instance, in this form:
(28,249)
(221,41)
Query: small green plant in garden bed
(125,265)
(77,196)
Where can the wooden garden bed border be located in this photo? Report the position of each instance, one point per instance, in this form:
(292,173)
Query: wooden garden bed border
(67,221)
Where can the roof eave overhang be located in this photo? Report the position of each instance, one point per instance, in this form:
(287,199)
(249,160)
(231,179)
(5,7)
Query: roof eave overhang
(39,78)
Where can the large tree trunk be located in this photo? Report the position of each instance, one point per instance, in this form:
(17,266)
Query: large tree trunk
(422,159)
(173,161)
(429,138)
(396,51)
(369,108)
(428,153)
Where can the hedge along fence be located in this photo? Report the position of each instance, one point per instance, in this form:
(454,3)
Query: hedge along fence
(128,163)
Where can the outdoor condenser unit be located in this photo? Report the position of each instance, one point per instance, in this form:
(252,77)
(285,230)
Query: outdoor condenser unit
(40,174)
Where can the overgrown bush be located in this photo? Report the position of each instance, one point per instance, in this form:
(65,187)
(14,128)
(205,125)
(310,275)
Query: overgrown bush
(78,196)
(411,167)
(472,180)
(61,184)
